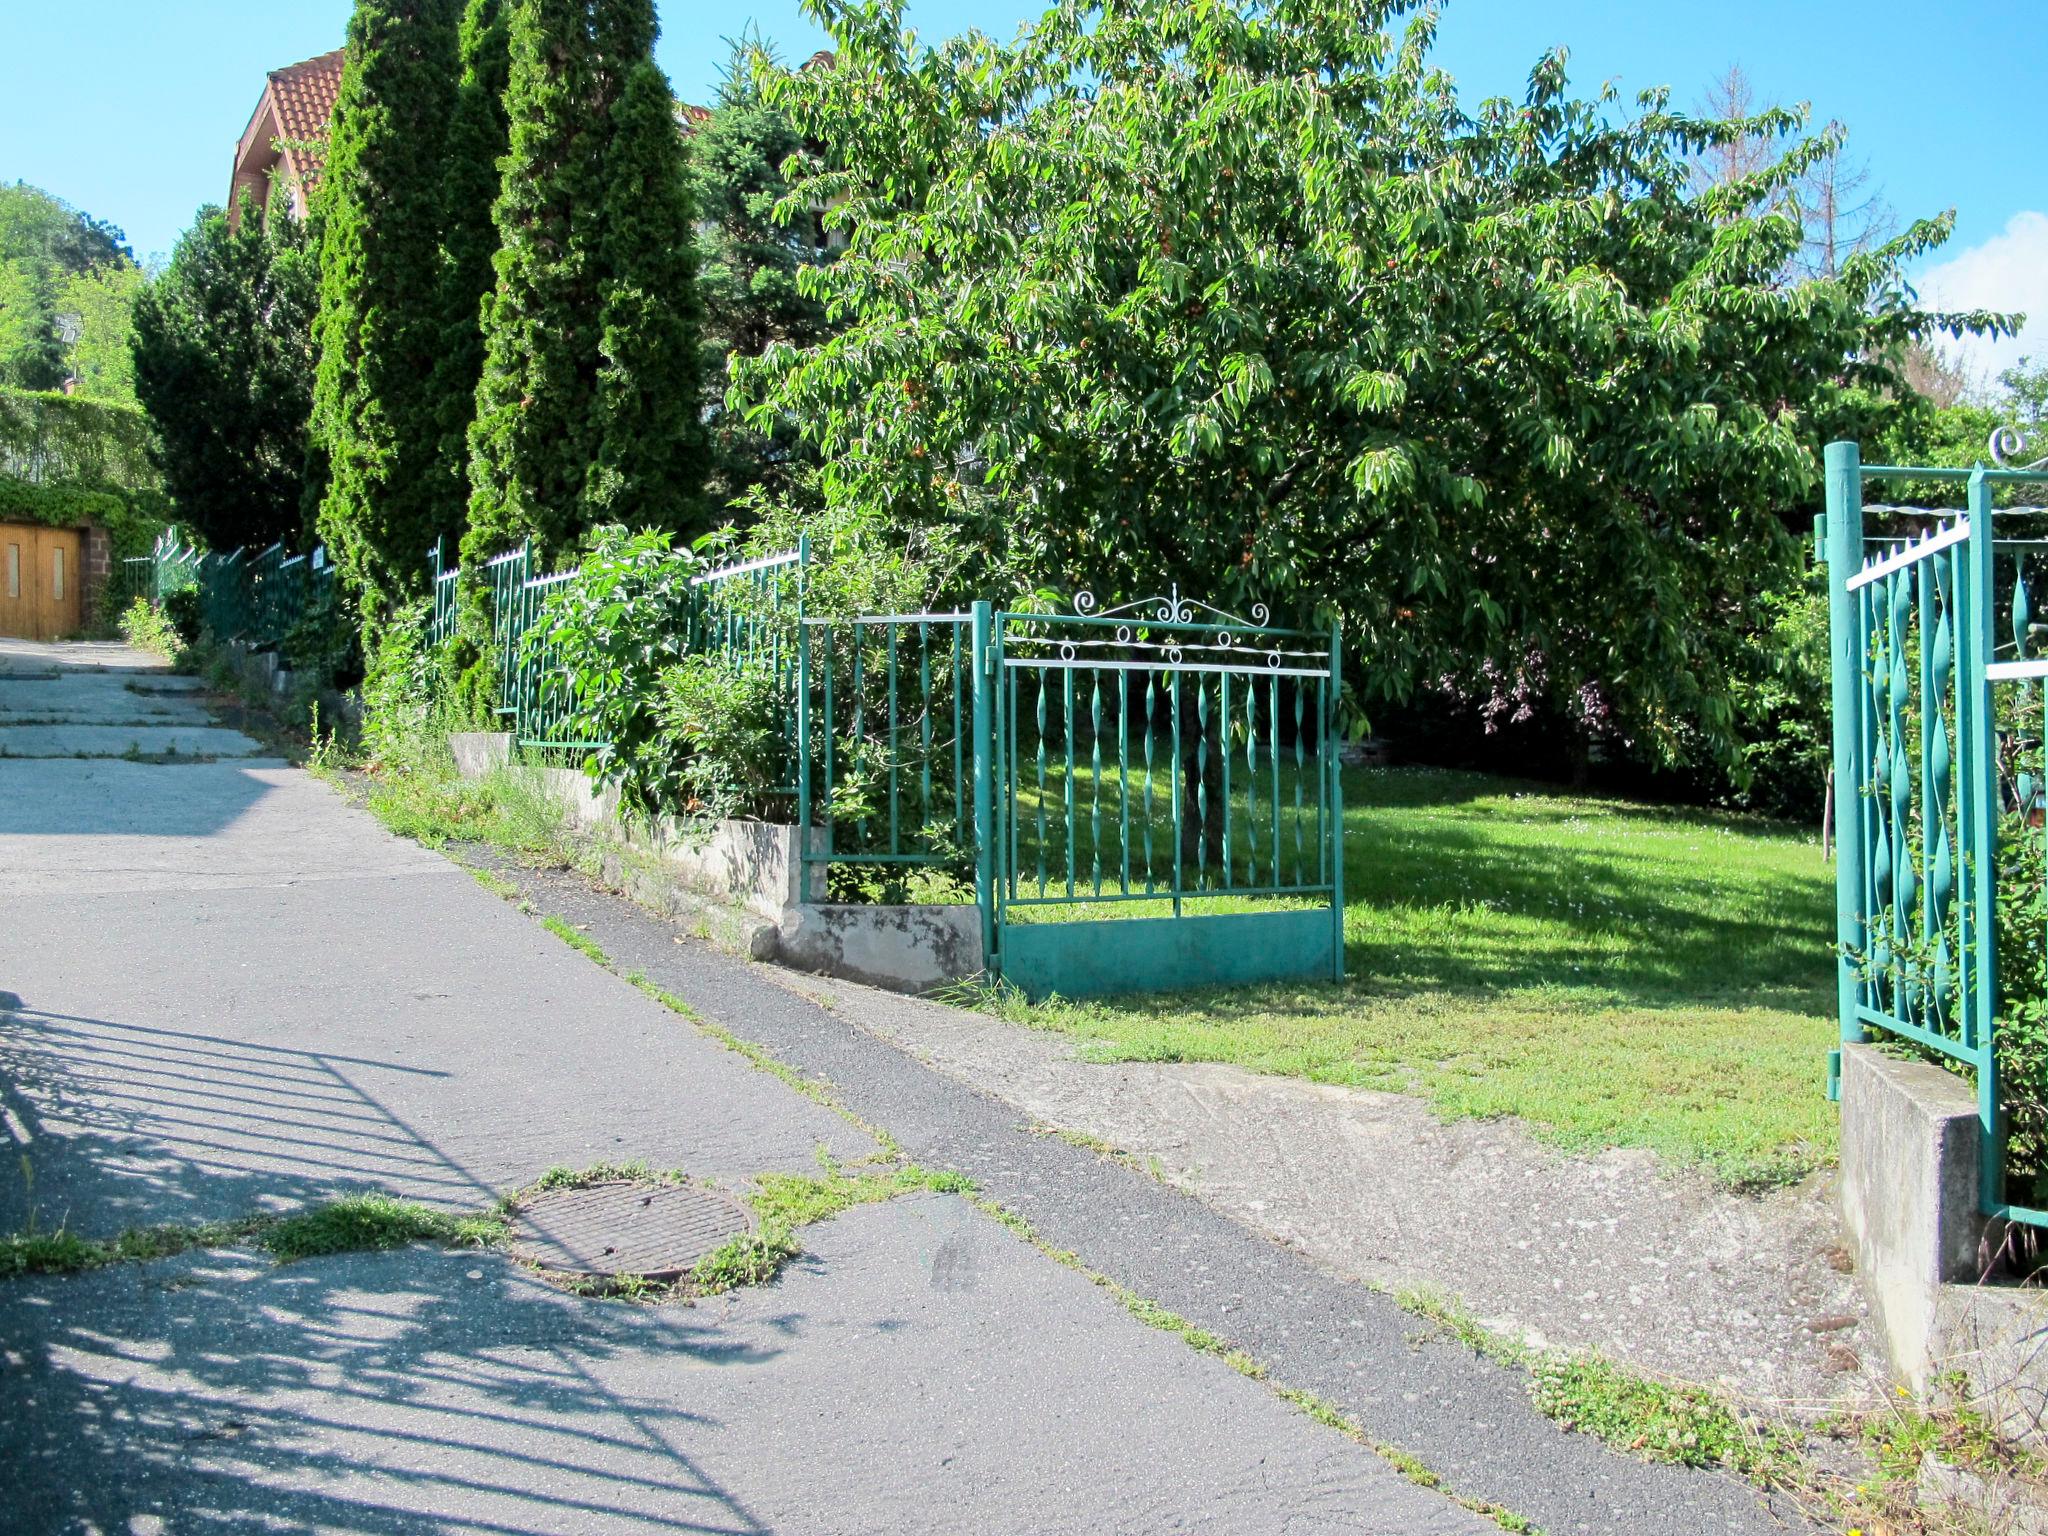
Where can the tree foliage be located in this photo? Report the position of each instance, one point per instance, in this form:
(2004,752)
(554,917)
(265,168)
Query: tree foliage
(750,253)
(46,245)
(1246,299)
(381,332)
(224,369)
(587,404)
(477,136)
(650,449)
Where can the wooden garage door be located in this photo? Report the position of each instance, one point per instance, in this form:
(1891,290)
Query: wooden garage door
(39,582)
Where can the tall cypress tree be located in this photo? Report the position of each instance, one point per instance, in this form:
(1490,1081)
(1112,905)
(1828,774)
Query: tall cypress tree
(651,442)
(376,411)
(587,406)
(531,444)
(477,136)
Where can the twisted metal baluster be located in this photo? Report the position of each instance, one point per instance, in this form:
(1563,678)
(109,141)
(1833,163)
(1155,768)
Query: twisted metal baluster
(1300,758)
(1880,842)
(1940,766)
(1223,755)
(1201,783)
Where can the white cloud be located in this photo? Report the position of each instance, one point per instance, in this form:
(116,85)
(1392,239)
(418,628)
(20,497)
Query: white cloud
(2007,272)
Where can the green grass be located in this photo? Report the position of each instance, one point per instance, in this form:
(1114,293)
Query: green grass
(576,939)
(1615,974)
(350,1224)
(355,1223)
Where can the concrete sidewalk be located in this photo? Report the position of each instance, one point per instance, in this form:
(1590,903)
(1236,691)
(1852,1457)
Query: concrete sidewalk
(222,990)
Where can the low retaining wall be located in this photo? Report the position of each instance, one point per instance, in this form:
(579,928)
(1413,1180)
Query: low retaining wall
(741,884)
(1909,1201)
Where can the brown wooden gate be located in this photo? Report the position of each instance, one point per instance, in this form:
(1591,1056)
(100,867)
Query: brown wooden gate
(39,575)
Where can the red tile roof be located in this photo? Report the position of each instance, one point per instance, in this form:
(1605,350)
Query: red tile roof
(303,95)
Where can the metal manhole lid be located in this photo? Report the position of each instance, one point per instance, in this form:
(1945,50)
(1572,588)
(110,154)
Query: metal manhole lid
(655,1231)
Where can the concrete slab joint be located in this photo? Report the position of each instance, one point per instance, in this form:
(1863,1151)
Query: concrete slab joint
(1909,1188)
(743,883)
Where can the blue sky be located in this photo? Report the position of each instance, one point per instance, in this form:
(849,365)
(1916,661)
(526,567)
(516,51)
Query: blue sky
(130,108)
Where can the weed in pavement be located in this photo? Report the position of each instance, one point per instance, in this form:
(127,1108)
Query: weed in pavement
(355,1223)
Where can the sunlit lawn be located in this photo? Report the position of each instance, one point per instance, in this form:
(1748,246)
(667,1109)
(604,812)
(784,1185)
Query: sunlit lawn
(1615,974)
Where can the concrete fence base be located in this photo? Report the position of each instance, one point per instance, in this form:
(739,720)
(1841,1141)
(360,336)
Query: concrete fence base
(1909,1188)
(742,885)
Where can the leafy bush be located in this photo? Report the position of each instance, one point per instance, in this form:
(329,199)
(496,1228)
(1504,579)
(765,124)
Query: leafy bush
(612,633)
(724,732)
(322,642)
(149,628)
(1782,709)
(181,611)
(401,684)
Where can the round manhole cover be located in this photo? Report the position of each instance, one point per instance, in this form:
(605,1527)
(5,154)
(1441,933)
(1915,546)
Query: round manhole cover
(612,1230)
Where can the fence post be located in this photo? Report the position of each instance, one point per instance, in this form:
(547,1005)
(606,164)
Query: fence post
(1980,782)
(1336,772)
(984,783)
(1844,543)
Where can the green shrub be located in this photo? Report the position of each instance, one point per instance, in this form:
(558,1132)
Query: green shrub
(724,733)
(613,632)
(148,628)
(322,643)
(181,610)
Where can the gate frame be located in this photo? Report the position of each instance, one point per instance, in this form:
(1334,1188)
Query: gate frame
(1085,957)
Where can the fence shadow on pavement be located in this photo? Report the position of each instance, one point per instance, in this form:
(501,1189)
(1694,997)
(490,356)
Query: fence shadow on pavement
(116,1124)
(408,1391)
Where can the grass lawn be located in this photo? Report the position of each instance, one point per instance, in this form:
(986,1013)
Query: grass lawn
(1615,974)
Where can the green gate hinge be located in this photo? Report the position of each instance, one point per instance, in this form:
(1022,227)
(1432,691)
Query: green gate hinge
(1835,1075)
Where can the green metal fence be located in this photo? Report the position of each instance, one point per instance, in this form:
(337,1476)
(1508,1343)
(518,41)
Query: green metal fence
(884,747)
(746,612)
(1141,797)
(1938,769)
(253,599)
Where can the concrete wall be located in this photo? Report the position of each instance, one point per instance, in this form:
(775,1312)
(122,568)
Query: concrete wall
(907,948)
(1909,1190)
(741,884)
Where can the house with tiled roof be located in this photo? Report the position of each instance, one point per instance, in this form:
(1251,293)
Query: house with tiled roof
(285,144)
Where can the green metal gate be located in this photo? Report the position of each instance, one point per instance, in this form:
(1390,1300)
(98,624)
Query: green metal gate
(1938,762)
(1160,798)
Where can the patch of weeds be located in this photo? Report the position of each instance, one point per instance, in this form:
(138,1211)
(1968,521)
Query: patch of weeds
(1450,1319)
(493,882)
(752,1258)
(356,1223)
(65,1252)
(145,626)
(1660,1421)
(576,939)
(558,1177)
(1652,1419)
(783,1202)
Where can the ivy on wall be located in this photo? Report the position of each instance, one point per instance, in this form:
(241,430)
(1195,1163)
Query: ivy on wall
(48,438)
